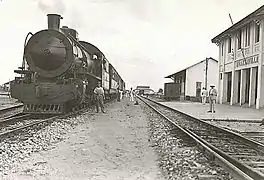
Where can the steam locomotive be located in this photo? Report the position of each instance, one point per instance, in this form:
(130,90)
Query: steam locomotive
(59,72)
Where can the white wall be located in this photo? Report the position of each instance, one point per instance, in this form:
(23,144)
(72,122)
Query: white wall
(213,75)
(194,74)
(197,74)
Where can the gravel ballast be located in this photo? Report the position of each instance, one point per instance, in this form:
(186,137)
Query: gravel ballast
(179,157)
(89,146)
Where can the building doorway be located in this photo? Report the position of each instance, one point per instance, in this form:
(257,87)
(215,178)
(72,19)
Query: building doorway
(229,84)
(256,86)
(198,89)
(247,85)
(238,88)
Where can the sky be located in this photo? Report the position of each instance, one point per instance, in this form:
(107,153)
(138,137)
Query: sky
(145,40)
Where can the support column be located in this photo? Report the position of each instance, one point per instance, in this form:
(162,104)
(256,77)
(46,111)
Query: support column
(220,81)
(234,85)
(220,90)
(260,97)
(252,86)
(224,88)
(242,87)
(234,90)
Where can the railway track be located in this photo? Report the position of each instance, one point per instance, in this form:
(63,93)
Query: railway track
(20,121)
(10,112)
(11,108)
(242,157)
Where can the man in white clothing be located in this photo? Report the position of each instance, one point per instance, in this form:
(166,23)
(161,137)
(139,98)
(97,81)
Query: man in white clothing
(212,98)
(99,96)
(204,95)
(131,94)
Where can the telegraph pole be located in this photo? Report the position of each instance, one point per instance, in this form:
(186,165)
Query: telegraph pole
(206,72)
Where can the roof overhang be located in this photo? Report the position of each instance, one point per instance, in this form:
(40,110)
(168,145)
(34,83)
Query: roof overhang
(178,72)
(254,16)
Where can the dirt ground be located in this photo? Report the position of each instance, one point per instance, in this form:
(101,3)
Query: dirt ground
(108,146)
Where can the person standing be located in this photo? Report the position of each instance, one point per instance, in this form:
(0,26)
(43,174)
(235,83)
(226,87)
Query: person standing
(204,95)
(212,98)
(99,97)
(118,94)
(121,94)
(131,95)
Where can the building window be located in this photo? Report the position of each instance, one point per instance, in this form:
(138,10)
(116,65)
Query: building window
(257,30)
(221,76)
(222,48)
(247,39)
(229,45)
(239,37)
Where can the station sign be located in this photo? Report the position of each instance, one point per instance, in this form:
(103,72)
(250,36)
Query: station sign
(247,61)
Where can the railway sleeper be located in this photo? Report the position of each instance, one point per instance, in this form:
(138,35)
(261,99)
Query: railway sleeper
(257,164)
(238,154)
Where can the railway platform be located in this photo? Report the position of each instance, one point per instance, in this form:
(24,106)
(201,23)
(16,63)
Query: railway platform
(242,120)
(224,112)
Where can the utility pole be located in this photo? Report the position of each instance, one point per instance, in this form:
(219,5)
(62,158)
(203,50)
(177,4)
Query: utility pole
(239,39)
(206,72)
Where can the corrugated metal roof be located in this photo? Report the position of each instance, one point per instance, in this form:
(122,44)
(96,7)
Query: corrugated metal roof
(169,76)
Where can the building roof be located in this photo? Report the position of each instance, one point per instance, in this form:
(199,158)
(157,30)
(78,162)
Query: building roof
(256,15)
(142,87)
(169,76)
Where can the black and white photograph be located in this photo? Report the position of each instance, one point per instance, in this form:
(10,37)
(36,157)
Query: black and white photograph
(132,90)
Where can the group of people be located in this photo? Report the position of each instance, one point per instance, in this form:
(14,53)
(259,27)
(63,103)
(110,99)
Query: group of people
(212,95)
(100,96)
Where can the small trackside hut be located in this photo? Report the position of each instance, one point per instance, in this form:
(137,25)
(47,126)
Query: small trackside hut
(188,83)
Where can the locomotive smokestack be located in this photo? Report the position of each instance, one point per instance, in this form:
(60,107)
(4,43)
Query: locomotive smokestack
(54,21)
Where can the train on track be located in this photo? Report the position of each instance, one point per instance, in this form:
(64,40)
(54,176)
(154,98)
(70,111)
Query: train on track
(59,72)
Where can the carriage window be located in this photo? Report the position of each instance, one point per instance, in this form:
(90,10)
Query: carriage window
(105,65)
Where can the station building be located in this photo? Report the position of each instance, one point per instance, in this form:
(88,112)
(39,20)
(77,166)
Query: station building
(144,90)
(192,79)
(240,66)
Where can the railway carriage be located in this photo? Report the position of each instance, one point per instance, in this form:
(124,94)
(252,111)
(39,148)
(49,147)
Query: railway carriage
(59,72)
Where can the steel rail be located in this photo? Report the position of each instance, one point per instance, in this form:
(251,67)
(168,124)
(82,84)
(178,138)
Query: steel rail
(255,144)
(11,108)
(44,120)
(27,125)
(236,168)
(14,117)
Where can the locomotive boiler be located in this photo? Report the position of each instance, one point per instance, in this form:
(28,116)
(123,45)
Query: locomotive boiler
(59,72)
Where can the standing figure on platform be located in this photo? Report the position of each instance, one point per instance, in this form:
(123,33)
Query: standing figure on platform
(121,94)
(131,95)
(99,97)
(118,94)
(212,98)
(204,95)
